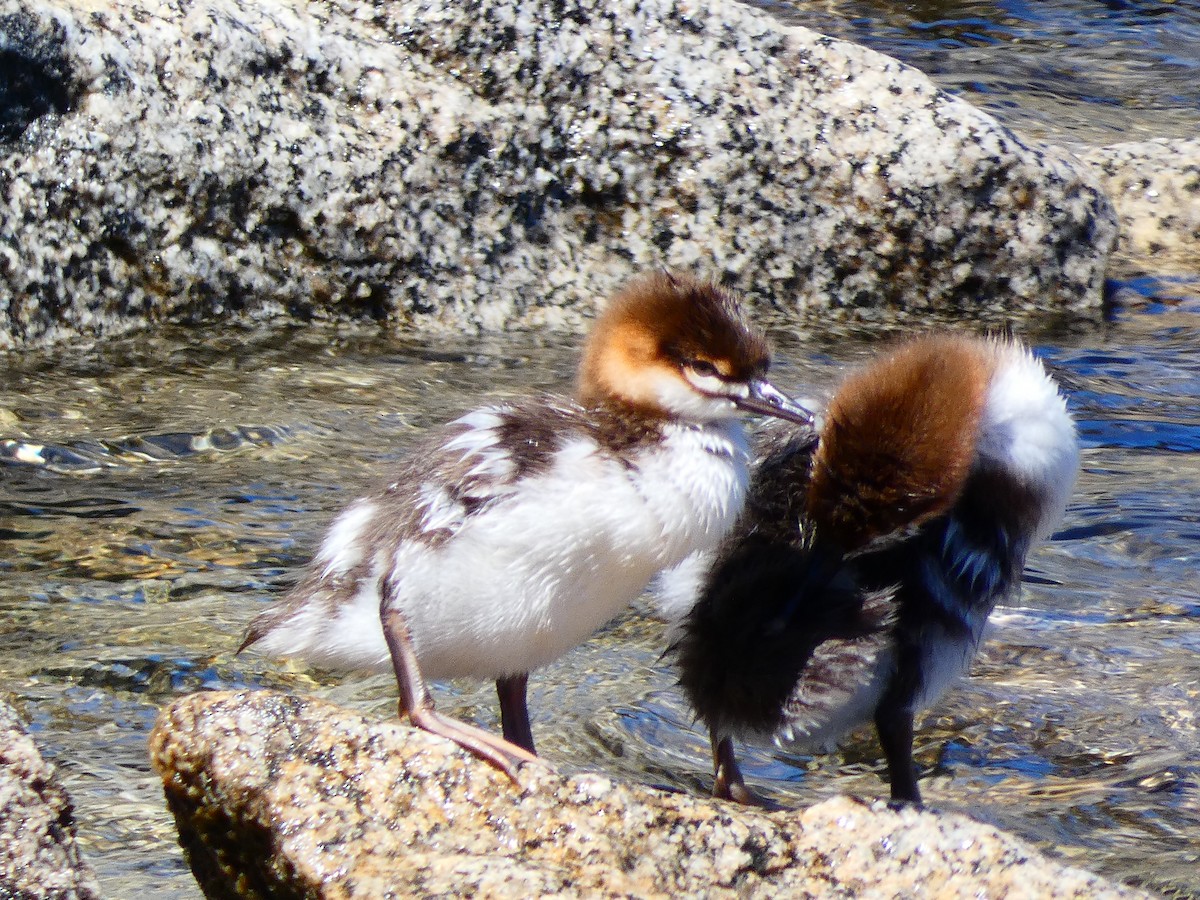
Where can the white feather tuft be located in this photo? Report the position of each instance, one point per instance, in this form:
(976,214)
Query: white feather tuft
(1027,430)
(343,546)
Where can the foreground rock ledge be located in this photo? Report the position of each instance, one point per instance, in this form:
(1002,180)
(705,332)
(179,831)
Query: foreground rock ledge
(282,796)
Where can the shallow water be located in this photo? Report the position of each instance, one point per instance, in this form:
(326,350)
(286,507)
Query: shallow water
(1092,71)
(156,492)
(181,480)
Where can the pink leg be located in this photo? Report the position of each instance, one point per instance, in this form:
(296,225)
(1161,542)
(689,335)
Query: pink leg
(417,703)
(728,783)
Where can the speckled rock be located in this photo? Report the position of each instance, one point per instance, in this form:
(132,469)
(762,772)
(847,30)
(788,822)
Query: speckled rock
(487,164)
(39,859)
(280,796)
(1155,187)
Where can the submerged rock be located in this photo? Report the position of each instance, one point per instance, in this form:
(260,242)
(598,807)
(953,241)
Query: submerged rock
(485,164)
(39,859)
(281,796)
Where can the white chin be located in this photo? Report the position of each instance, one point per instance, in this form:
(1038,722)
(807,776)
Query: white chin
(679,398)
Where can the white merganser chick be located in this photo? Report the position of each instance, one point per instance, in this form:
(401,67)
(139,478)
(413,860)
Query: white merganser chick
(517,530)
(856,585)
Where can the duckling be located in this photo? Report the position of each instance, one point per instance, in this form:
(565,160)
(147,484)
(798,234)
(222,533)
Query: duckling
(515,531)
(872,549)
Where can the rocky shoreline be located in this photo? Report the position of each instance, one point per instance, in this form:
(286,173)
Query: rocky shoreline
(281,796)
(481,166)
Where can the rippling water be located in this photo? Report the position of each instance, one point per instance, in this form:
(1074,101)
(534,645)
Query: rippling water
(1094,71)
(156,493)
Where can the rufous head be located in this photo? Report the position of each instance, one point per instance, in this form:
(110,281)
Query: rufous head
(899,439)
(903,435)
(671,346)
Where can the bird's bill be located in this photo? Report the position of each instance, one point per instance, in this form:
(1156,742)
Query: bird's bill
(763,398)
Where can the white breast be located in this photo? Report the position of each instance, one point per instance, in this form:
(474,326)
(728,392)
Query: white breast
(538,571)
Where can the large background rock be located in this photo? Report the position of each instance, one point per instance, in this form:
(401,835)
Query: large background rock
(39,859)
(485,164)
(285,797)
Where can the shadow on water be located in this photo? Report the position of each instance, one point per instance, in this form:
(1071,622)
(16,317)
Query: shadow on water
(179,487)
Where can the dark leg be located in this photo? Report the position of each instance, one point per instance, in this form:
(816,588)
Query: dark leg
(417,703)
(514,713)
(894,725)
(728,783)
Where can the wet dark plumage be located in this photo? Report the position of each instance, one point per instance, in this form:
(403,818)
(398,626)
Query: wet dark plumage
(856,584)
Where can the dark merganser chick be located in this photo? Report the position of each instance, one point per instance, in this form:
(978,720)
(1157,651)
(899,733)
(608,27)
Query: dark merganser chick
(856,585)
(518,529)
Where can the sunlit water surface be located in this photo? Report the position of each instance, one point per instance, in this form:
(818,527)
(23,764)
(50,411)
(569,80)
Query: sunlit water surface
(156,493)
(1091,71)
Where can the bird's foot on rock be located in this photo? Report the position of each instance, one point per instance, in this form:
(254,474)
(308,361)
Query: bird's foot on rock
(488,747)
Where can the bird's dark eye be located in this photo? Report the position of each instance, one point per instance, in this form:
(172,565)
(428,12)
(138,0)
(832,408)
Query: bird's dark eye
(703,367)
